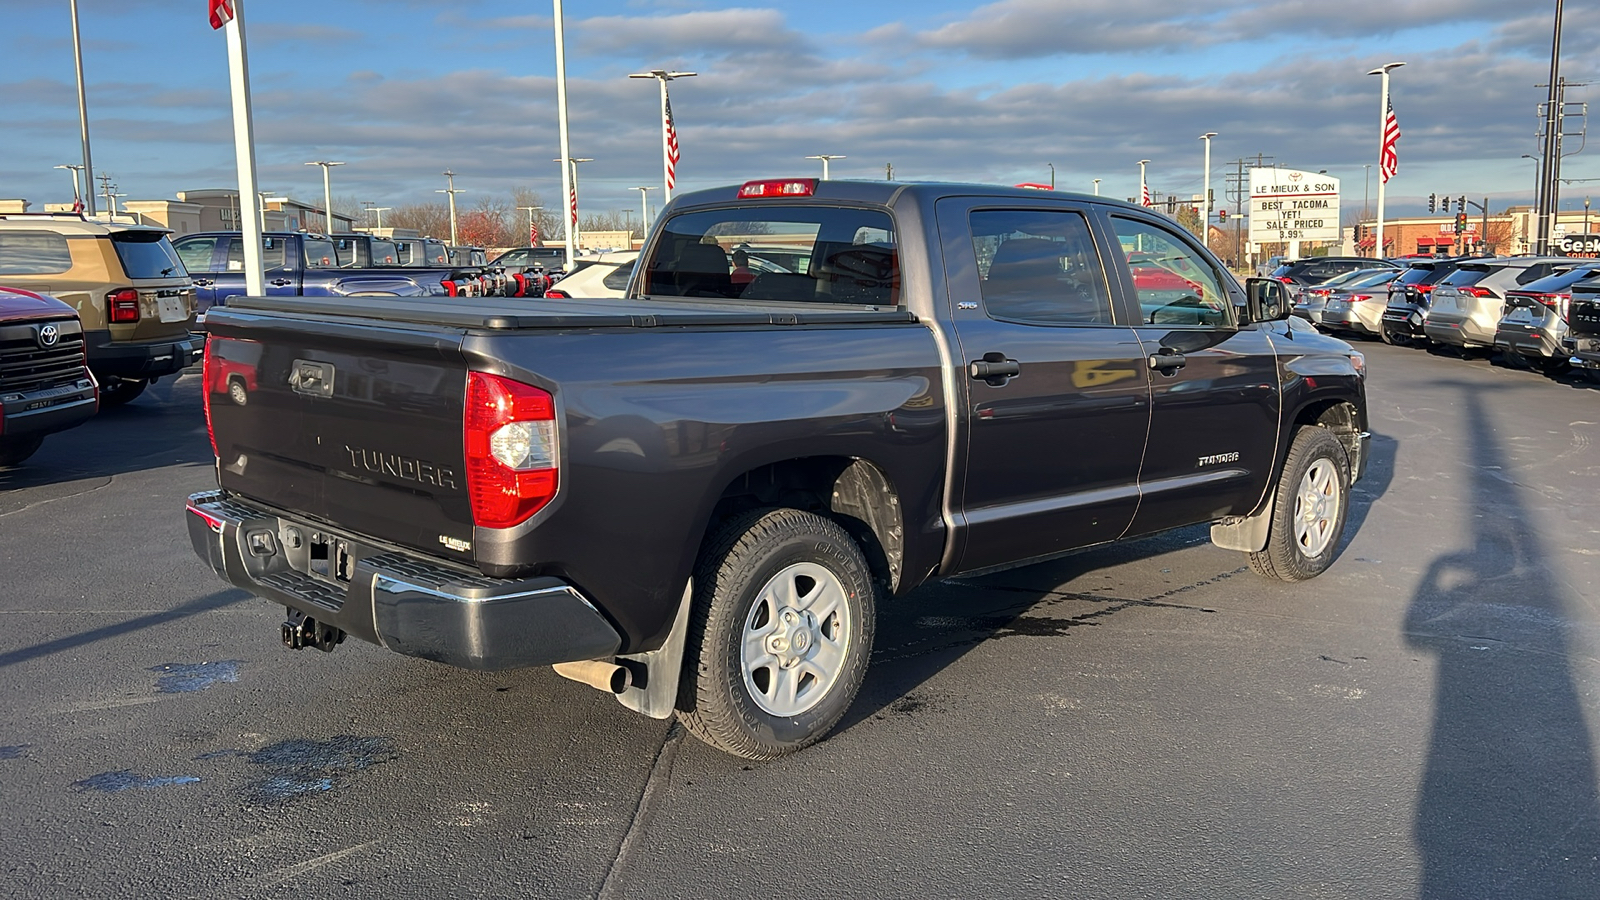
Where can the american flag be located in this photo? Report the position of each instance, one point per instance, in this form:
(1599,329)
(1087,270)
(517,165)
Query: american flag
(1144,194)
(1388,157)
(220,12)
(572,202)
(672,146)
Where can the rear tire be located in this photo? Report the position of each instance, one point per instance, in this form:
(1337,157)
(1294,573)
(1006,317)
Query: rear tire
(1309,509)
(1390,338)
(779,634)
(13,450)
(118,391)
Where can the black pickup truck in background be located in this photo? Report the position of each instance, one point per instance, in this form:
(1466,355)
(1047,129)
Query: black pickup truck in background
(815,394)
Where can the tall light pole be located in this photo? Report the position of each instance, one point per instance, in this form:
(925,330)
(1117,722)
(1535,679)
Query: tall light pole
(569,190)
(1205,220)
(1052,175)
(377,212)
(569,176)
(1383,126)
(530,210)
(826,157)
(644,204)
(1097,187)
(1550,163)
(83,111)
(1144,187)
(669,130)
(452,191)
(327,190)
(77,194)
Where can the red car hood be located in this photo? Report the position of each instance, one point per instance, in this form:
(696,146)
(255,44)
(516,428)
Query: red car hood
(18,305)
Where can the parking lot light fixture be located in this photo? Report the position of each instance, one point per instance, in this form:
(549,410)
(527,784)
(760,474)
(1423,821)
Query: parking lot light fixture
(452,191)
(669,129)
(644,203)
(327,190)
(826,157)
(1205,198)
(1097,187)
(1383,124)
(77,193)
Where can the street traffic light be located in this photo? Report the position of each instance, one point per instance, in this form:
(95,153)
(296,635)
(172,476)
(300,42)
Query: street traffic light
(1222,215)
(1461,203)
(1461,222)
(1433,201)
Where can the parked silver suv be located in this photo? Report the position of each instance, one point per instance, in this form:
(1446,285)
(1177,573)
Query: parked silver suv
(1534,325)
(1466,306)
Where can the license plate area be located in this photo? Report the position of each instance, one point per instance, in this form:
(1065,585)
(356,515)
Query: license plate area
(171,309)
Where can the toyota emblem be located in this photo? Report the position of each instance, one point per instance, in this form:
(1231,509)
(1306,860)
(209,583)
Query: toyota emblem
(49,335)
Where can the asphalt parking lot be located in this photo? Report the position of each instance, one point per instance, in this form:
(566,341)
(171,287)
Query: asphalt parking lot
(1144,720)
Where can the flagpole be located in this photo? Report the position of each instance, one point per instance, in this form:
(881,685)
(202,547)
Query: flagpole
(567,169)
(83,111)
(244,146)
(666,146)
(1383,127)
(1144,189)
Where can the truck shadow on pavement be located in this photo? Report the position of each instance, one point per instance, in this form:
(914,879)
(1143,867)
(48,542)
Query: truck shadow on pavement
(922,634)
(1508,805)
(163,427)
(198,606)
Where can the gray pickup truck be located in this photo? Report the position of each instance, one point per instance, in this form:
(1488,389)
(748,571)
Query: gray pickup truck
(814,395)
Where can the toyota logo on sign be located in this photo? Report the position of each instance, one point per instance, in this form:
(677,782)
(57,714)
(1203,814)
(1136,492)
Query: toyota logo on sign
(49,335)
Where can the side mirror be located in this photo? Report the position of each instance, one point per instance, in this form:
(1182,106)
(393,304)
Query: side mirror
(1268,300)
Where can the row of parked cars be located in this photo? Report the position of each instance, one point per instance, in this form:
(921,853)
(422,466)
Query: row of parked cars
(1535,312)
(92,313)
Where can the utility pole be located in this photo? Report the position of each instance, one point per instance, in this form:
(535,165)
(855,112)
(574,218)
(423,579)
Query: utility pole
(452,190)
(106,187)
(1550,160)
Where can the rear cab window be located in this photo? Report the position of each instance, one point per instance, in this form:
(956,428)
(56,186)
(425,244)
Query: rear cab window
(320,253)
(34,253)
(147,254)
(786,254)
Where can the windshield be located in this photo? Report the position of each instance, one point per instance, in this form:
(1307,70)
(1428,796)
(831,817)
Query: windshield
(1413,275)
(147,254)
(1560,281)
(1465,276)
(796,254)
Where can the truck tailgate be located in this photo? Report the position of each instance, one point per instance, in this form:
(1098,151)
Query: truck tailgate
(358,425)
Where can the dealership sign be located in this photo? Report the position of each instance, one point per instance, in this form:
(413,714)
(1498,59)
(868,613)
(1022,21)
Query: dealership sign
(1291,205)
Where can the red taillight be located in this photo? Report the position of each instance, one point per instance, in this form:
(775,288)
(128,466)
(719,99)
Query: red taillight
(1424,288)
(779,187)
(208,375)
(1357,298)
(1476,292)
(123,306)
(522,284)
(449,288)
(1285,279)
(559,295)
(513,458)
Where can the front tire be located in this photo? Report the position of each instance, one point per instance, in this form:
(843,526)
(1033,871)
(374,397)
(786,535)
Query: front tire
(779,634)
(13,450)
(1309,510)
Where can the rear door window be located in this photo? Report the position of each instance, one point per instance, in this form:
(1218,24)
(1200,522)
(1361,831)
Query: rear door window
(33,253)
(147,255)
(1040,267)
(794,254)
(619,277)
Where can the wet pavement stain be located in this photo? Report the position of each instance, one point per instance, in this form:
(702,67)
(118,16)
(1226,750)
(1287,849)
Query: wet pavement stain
(185,678)
(16,751)
(127,779)
(296,768)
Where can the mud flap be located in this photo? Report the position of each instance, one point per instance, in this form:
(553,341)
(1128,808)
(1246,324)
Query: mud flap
(1247,533)
(656,695)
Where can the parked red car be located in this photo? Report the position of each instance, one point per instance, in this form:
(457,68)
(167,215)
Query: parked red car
(45,384)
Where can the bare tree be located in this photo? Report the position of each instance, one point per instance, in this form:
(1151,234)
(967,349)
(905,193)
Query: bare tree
(427,219)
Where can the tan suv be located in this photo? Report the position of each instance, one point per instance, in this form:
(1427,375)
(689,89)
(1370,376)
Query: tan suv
(131,291)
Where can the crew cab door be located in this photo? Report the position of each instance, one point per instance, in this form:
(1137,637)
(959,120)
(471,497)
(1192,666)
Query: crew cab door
(202,257)
(1215,387)
(1053,381)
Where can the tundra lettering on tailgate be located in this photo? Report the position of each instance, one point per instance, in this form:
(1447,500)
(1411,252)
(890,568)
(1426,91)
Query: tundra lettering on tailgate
(402,467)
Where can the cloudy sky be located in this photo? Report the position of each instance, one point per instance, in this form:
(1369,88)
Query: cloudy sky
(944,90)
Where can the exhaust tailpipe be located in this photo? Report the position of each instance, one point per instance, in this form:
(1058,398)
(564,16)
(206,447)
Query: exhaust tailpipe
(598,674)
